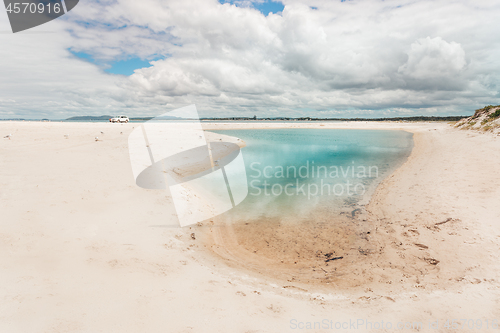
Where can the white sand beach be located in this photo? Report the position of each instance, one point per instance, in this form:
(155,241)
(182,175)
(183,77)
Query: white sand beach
(83,249)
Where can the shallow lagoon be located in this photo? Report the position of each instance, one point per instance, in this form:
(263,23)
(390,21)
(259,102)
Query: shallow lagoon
(293,172)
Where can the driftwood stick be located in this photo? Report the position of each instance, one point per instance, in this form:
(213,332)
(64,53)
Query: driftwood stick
(446,221)
(335,258)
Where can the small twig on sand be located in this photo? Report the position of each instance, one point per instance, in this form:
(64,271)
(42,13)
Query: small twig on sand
(335,258)
(449,219)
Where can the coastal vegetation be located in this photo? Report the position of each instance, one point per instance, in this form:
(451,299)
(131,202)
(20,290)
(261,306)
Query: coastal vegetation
(486,119)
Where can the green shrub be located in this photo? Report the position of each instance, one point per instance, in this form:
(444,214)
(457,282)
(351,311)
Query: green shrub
(495,114)
(476,114)
(485,109)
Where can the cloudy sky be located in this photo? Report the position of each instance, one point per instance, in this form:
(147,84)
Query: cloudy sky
(321,58)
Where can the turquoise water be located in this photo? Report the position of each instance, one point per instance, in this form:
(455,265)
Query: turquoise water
(293,171)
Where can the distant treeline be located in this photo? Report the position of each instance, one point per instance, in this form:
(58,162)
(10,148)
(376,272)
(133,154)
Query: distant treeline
(414,118)
(90,118)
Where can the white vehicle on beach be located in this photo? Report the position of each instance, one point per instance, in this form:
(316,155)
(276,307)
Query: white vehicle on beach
(119,119)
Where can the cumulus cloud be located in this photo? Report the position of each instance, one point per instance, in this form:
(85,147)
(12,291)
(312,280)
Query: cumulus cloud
(320,57)
(435,64)
(434,57)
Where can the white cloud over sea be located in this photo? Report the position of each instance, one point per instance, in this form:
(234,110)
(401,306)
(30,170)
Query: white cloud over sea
(324,58)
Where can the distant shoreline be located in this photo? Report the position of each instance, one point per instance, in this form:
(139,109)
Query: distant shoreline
(255,119)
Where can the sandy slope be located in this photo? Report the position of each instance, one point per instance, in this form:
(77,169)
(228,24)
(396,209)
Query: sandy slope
(82,249)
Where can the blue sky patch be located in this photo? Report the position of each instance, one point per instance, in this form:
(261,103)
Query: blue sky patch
(84,56)
(265,8)
(120,67)
(269,7)
(127,67)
